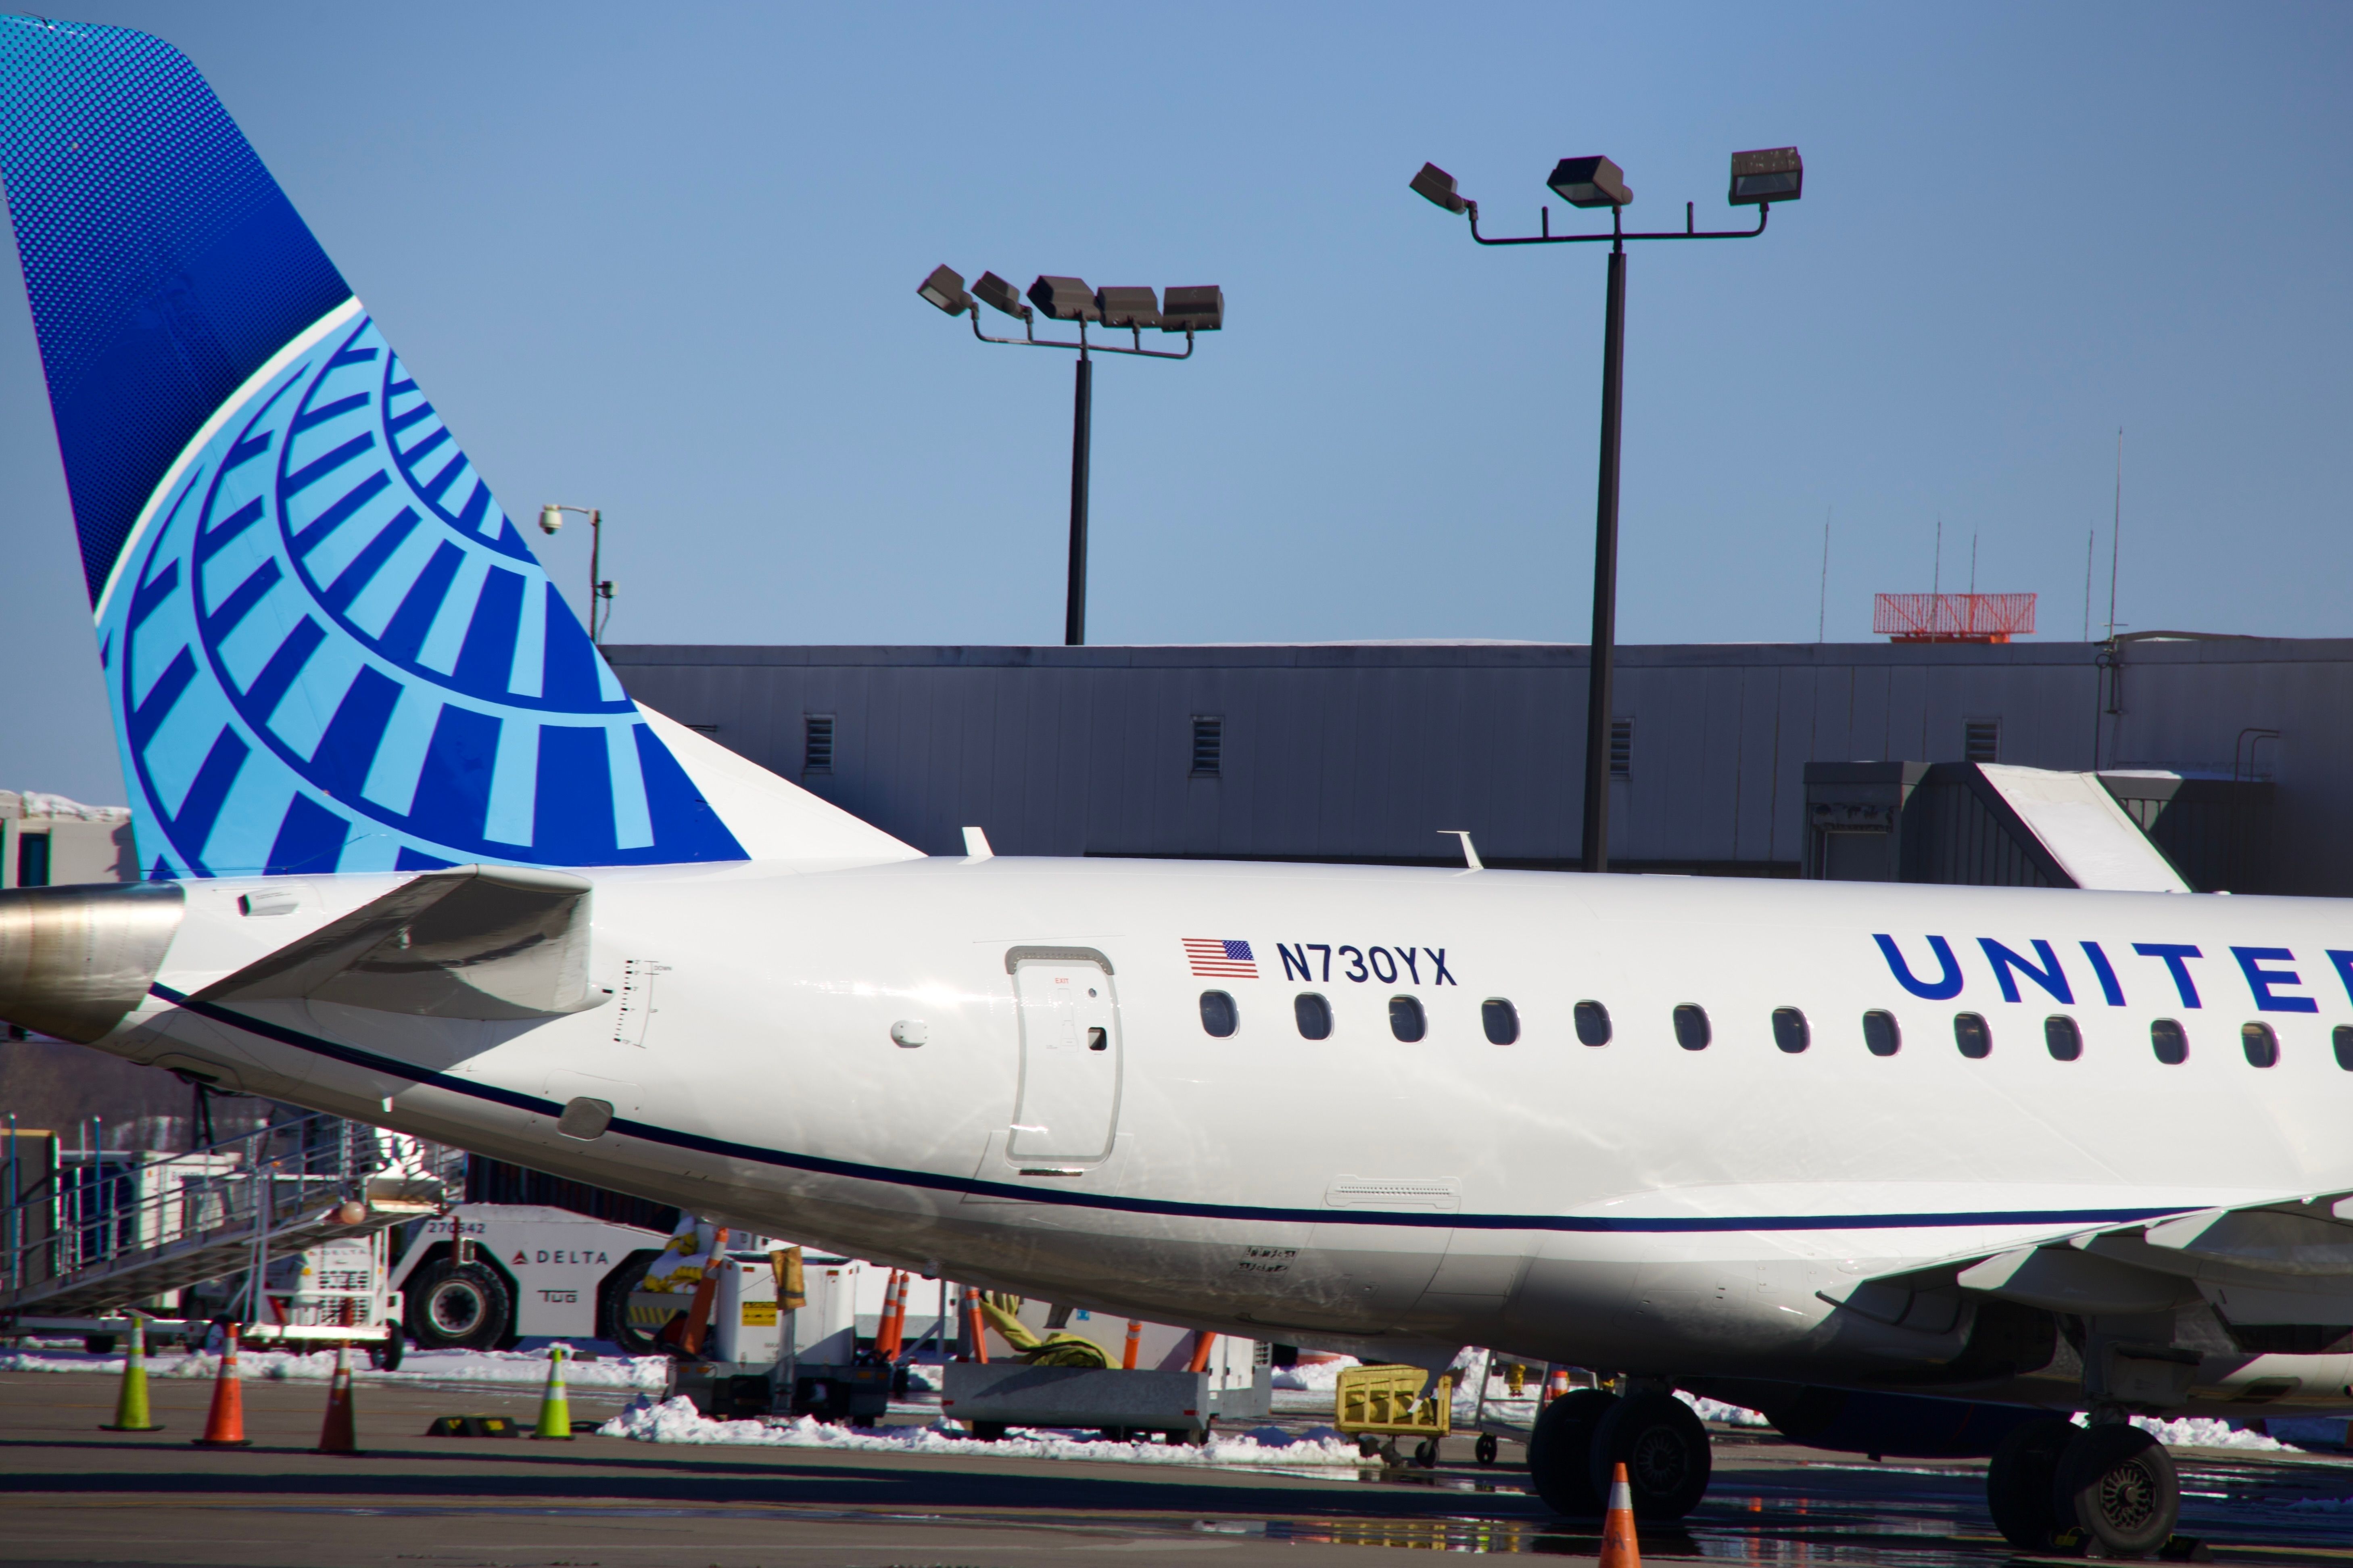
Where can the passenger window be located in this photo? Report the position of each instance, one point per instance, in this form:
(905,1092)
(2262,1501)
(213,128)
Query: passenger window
(2065,1040)
(2170,1041)
(1314,1015)
(1218,1015)
(1789,1030)
(1973,1035)
(1406,1021)
(1881,1038)
(1692,1032)
(2342,1038)
(2261,1045)
(1593,1023)
(1501,1019)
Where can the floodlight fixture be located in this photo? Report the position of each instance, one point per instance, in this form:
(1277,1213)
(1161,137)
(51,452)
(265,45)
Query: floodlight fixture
(1125,307)
(1768,174)
(1590,182)
(1435,184)
(1065,299)
(1199,308)
(999,295)
(944,287)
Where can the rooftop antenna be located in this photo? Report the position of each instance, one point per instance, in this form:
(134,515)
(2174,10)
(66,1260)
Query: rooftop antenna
(1973,563)
(2115,535)
(2090,540)
(1823,617)
(1937,577)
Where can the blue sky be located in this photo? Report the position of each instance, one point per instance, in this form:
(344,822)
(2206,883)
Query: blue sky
(662,260)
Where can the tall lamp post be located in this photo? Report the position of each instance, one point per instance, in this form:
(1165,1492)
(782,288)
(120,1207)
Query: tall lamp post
(600,590)
(1758,179)
(1186,310)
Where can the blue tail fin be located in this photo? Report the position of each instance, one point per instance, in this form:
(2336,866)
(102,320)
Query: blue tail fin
(327,646)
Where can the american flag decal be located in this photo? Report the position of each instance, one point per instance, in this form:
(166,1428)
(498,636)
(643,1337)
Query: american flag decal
(1220,958)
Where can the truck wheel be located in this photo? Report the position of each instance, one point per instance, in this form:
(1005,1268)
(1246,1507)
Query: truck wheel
(988,1431)
(98,1344)
(457,1307)
(386,1357)
(614,1307)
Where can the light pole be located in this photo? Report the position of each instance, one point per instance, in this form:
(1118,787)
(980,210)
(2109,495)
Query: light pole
(1758,179)
(600,590)
(1188,311)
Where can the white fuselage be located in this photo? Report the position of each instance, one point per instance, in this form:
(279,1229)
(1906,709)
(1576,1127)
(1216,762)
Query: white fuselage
(1635,1204)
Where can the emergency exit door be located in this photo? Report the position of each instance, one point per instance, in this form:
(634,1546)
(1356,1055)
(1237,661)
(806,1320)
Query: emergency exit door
(1068,1104)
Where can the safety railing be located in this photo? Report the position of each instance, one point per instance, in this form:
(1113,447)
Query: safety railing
(93,1211)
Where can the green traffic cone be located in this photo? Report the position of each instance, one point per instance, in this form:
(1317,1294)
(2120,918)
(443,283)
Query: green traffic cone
(130,1414)
(554,1412)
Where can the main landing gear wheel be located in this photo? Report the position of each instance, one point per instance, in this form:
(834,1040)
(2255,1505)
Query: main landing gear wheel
(1560,1452)
(1663,1445)
(2019,1481)
(2117,1484)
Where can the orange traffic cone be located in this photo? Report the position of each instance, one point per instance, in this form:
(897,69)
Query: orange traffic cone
(1135,1335)
(224,1422)
(1555,1384)
(337,1433)
(1618,1545)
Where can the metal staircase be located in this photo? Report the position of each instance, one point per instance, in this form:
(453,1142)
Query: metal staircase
(87,1232)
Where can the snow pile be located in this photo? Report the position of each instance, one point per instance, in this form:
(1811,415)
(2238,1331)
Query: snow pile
(1314,1377)
(2205,1431)
(1723,1415)
(677,1421)
(438,1367)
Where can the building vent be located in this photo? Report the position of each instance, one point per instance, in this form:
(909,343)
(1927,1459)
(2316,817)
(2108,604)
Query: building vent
(1982,741)
(817,754)
(1208,746)
(1621,747)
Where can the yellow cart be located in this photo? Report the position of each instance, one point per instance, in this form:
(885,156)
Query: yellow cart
(1379,1405)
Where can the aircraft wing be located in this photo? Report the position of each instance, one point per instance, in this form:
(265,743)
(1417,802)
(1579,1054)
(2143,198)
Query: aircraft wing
(472,941)
(2288,1262)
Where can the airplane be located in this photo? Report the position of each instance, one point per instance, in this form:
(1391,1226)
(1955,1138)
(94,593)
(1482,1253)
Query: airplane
(1913,1169)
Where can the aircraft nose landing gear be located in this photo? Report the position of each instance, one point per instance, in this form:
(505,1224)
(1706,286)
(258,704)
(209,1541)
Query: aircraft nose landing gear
(2110,1488)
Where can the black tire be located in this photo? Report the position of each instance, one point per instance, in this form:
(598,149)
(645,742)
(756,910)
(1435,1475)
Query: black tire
(988,1431)
(2117,1484)
(1487,1449)
(98,1344)
(457,1307)
(1560,1452)
(2021,1479)
(613,1306)
(1663,1445)
(386,1357)
(1425,1454)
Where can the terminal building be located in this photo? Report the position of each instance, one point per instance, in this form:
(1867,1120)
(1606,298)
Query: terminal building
(1725,759)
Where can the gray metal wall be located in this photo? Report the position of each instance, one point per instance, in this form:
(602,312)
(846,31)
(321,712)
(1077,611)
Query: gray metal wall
(1365,750)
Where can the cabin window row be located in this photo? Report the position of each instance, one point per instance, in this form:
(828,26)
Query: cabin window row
(1311,1013)
(1881,1035)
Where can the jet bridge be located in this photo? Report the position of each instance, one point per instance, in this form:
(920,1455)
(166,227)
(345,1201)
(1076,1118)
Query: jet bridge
(1992,825)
